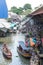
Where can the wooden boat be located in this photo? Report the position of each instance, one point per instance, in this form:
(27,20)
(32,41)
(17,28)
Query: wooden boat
(26,55)
(7,53)
(23,51)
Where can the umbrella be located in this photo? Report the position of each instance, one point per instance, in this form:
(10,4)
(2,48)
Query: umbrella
(3,9)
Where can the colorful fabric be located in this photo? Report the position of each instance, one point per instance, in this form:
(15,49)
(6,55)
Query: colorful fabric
(3,9)
(34,40)
(31,42)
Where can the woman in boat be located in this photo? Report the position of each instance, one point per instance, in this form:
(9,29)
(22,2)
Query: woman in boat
(5,48)
(6,52)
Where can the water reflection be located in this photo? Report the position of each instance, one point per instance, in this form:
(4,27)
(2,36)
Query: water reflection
(16,58)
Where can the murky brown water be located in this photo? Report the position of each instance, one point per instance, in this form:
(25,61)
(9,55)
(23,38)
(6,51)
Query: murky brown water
(16,58)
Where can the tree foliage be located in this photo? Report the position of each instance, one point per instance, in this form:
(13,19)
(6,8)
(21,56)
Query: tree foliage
(16,10)
(21,9)
(26,12)
(13,9)
(27,6)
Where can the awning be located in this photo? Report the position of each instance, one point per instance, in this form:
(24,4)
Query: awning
(4,23)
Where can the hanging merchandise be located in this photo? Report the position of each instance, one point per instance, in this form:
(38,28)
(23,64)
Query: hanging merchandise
(31,42)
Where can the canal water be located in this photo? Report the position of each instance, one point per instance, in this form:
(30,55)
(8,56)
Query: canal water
(16,58)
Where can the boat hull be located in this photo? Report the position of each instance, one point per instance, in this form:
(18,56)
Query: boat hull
(7,56)
(26,55)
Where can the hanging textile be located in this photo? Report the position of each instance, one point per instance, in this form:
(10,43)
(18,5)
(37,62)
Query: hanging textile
(31,42)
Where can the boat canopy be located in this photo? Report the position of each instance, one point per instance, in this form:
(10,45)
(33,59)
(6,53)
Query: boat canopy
(22,44)
(5,24)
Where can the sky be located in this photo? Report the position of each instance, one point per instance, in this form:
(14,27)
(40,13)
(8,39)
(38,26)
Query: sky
(21,3)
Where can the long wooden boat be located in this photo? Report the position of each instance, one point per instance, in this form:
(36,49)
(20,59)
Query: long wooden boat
(24,54)
(7,54)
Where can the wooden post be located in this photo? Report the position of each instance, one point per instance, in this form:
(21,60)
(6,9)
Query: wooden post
(40,61)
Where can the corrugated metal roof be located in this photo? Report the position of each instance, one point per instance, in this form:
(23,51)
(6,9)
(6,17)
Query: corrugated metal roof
(38,11)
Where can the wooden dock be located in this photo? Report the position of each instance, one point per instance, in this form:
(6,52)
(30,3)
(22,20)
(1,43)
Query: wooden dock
(40,55)
(34,60)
